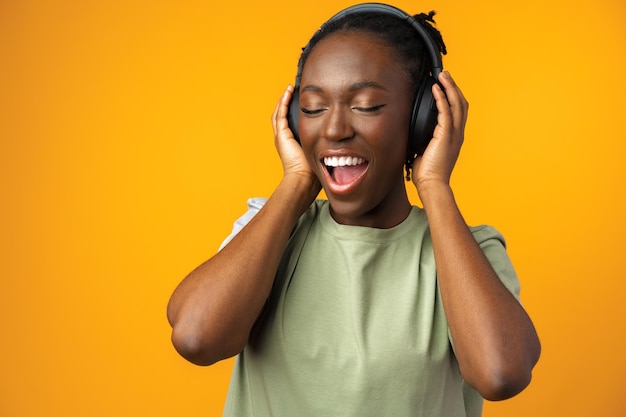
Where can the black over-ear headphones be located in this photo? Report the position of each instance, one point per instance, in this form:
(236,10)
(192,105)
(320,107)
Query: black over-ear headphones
(424,116)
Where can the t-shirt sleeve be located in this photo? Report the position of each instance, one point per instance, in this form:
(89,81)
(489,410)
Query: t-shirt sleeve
(494,247)
(254,205)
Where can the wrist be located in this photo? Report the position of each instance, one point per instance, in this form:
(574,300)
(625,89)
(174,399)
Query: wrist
(300,189)
(433,192)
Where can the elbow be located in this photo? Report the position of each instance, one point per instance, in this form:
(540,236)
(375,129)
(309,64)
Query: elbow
(193,348)
(500,386)
(501,371)
(505,377)
(202,347)
(200,340)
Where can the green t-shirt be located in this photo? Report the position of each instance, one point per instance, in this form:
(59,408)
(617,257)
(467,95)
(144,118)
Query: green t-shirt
(355,326)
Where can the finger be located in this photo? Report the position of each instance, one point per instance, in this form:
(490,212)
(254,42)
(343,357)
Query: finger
(275,113)
(279,117)
(444,117)
(458,103)
(282,105)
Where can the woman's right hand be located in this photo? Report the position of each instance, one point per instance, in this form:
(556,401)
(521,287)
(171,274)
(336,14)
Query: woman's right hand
(289,150)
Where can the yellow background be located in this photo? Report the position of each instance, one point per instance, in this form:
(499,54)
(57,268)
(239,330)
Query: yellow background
(132,132)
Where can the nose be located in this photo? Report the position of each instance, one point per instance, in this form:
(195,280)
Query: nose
(338,125)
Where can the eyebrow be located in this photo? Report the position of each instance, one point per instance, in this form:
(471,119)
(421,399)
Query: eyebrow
(354,87)
(366,84)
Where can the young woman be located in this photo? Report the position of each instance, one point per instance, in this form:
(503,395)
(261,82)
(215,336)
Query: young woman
(362,304)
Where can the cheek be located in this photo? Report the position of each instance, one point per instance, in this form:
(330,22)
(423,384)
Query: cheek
(398,129)
(393,139)
(307,145)
(308,134)
(307,129)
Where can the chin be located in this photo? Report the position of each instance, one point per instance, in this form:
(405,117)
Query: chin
(350,211)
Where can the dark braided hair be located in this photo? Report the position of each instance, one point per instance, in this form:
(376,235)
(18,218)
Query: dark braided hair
(397,34)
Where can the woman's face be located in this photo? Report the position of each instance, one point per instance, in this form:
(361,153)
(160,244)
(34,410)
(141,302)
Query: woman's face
(356,103)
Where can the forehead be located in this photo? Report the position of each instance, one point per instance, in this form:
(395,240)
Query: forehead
(352,54)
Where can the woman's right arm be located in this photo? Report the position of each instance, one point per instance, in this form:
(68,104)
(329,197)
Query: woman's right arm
(213,310)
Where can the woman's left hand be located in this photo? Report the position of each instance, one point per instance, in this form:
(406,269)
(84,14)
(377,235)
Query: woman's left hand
(436,164)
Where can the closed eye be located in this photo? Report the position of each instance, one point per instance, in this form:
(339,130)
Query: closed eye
(311,111)
(371,109)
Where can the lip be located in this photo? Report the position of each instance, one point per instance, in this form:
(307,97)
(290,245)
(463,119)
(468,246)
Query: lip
(332,186)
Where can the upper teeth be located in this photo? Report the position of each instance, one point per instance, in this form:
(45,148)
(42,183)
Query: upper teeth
(334,161)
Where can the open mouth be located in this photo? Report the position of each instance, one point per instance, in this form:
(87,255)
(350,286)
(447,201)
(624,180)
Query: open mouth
(345,169)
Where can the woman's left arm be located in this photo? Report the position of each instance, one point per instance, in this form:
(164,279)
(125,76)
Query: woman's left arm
(495,341)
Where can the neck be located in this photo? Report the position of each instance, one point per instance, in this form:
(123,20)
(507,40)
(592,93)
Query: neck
(388,213)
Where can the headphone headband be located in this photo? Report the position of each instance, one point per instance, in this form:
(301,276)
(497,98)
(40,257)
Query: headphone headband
(386,9)
(431,47)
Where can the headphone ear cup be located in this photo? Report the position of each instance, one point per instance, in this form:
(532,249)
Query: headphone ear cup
(424,118)
(293,113)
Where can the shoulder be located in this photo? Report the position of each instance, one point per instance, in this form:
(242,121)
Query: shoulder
(493,244)
(255,204)
(485,234)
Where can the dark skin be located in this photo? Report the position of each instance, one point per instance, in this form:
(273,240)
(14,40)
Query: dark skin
(362,115)
(354,93)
